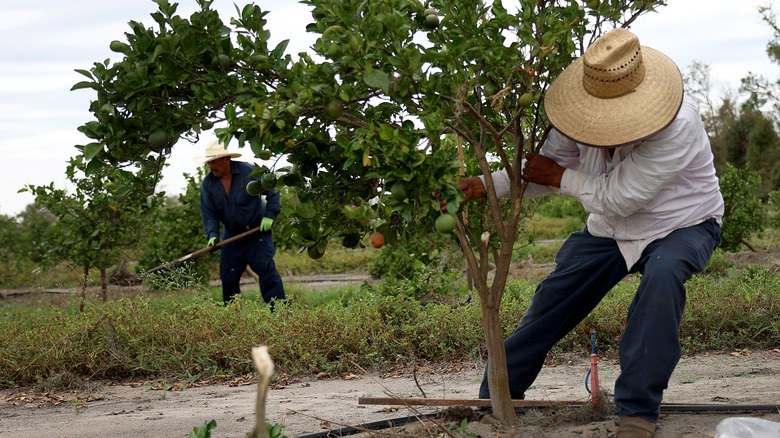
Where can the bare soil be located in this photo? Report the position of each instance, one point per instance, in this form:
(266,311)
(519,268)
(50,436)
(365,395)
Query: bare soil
(316,404)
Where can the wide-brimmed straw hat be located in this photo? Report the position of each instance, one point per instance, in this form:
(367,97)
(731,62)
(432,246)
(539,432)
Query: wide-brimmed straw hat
(215,150)
(617,93)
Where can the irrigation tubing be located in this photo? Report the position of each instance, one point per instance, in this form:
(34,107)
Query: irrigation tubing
(376,425)
(694,408)
(670,408)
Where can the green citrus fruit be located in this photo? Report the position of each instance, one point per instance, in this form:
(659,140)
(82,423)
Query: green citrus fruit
(254,188)
(526,100)
(269,181)
(221,61)
(314,253)
(445,223)
(158,140)
(429,11)
(333,31)
(351,240)
(399,191)
(332,109)
(119,47)
(432,21)
(490,89)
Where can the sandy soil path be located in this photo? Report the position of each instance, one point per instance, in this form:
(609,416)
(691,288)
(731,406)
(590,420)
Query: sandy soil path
(310,406)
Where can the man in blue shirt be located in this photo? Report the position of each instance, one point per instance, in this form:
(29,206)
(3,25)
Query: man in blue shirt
(224,198)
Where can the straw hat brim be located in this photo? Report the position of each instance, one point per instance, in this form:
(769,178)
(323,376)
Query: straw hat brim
(215,150)
(207,158)
(621,120)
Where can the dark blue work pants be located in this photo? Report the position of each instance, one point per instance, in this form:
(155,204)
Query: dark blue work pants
(258,252)
(587,267)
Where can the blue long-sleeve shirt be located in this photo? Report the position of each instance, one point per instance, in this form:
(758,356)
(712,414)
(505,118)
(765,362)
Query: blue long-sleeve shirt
(238,211)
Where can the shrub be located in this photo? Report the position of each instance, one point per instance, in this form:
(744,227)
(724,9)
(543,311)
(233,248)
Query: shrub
(563,207)
(419,268)
(744,213)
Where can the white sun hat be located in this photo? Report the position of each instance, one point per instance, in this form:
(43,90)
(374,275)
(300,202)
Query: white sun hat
(214,150)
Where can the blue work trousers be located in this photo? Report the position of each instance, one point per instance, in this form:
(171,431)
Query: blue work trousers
(588,267)
(257,251)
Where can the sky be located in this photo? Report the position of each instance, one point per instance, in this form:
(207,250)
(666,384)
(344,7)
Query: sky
(42,42)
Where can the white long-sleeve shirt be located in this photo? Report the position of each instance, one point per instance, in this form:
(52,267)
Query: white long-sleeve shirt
(645,190)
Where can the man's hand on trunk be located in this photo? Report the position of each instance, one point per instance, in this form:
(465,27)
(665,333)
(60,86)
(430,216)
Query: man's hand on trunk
(542,170)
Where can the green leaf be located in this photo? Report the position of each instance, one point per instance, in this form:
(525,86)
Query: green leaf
(292,180)
(84,72)
(85,84)
(159,50)
(386,132)
(91,150)
(263,154)
(230,113)
(274,431)
(376,79)
(258,171)
(93,167)
(306,210)
(277,53)
(203,431)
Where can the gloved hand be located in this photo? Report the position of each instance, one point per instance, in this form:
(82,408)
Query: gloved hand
(266,224)
(212,241)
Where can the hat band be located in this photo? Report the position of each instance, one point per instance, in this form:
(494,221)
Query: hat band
(606,83)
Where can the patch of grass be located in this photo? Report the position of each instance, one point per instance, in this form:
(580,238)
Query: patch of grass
(719,264)
(191,335)
(735,313)
(540,252)
(546,228)
(769,239)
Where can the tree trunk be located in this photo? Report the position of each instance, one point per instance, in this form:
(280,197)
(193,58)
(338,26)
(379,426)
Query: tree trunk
(84,287)
(490,301)
(103,284)
(498,381)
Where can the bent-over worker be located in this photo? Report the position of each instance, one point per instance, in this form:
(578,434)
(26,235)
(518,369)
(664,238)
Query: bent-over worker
(632,149)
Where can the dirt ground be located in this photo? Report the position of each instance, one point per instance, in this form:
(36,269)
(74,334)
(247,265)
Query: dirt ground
(313,406)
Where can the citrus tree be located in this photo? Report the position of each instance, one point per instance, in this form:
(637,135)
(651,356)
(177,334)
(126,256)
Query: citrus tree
(96,222)
(369,119)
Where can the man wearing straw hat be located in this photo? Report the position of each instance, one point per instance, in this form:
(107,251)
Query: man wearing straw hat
(223,198)
(632,149)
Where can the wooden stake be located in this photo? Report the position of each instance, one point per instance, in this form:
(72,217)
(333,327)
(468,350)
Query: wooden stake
(479,402)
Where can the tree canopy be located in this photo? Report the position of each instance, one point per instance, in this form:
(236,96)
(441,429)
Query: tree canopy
(372,120)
